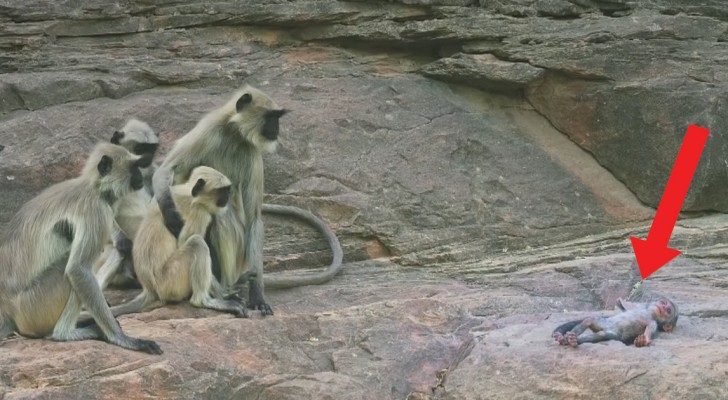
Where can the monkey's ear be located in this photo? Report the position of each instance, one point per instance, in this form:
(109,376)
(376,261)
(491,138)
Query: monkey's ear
(243,101)
(118,135)
(198,187)
(105,165)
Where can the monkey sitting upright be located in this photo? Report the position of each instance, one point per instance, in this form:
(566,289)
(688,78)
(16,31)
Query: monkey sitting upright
(171,259)
(638,323)
(115,264)
(232,139)
(49,249)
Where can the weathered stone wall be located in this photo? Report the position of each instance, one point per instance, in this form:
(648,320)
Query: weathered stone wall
(492,156)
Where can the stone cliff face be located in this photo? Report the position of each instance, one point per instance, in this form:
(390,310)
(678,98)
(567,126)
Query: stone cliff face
(484,164)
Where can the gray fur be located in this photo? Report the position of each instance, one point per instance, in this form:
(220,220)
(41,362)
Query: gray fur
(113,267)
(173,269)
(230,139)
(45,279)
(637,323)
(230,142)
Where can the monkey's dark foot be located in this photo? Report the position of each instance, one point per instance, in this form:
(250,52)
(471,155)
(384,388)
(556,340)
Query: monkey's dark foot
(243,312)
(247,277)
(560,338)
(264,308)
(256,301)
(234,296)
(571,339)
(642,341)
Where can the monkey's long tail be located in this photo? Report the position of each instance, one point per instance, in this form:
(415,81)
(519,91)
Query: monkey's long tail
(137,304)
(282,282)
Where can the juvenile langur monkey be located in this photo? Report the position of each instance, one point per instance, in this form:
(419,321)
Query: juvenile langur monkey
(115,265)
(171,259)
(638,323)
(50,247)
(232,139)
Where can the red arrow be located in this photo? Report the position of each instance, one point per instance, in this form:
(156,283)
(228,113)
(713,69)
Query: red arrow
(653,253)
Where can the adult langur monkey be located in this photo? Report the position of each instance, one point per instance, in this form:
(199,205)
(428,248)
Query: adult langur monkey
(50,247)
(232,140)
(171,258)
(115,265)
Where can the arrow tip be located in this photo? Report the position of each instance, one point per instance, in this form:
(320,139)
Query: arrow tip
(650,256)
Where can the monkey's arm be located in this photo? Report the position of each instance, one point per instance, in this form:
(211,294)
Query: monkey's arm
(148,179)
(645,339)
(122,242)
(162,179)
(85,249)
(625,305)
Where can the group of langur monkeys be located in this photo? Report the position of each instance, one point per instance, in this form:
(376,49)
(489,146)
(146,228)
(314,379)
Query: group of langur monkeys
(197,234)
(189,228)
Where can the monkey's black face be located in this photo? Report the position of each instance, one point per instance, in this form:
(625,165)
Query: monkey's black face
(223,196)
(143,149)
(146,160)
(137,180)
(271,125)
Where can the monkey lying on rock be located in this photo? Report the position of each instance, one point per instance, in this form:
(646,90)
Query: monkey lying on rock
(637,323)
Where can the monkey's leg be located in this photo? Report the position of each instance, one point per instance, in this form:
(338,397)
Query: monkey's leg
(109,268)
(597,337)
(194,255)
(559,332)
(254,261)
(84,284)
(65,329)
(645,339)
(595,324)
(144,301)
(6,327)
(226,234)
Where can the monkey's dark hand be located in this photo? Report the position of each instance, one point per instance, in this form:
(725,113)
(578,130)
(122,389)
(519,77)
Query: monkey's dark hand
(124,246)
(148,346)
(243,312)
(642,341)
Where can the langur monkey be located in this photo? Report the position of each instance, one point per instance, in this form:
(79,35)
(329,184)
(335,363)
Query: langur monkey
(636,324)
(115,265)
(232,140)
(171,259)
(50,247)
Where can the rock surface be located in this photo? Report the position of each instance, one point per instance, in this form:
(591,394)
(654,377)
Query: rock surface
(484,164)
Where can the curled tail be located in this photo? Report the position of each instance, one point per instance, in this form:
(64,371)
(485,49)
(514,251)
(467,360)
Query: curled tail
(317,278)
